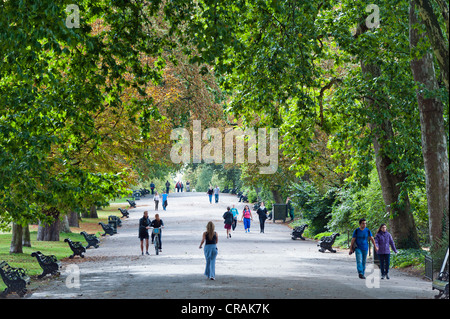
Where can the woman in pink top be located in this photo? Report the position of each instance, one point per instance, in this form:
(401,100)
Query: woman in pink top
(247,217)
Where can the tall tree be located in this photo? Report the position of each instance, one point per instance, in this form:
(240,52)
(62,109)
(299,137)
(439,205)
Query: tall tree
(270,61)
(434,139)
(53,79)
(437,39)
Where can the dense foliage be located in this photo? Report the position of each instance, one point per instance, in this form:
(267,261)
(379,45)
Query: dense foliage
(87,112)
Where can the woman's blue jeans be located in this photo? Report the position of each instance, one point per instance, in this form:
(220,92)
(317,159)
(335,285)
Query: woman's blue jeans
(361,256)
(210,256)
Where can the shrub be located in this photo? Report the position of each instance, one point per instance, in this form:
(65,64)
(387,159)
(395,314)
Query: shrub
(252,197)
(408,257)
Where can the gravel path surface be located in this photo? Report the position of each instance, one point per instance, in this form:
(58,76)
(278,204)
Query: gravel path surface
(249,265)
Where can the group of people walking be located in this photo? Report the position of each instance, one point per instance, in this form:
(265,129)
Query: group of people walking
(231,217)
(214,191)
(163,197)
(382,241)
(210,237)
(179,186)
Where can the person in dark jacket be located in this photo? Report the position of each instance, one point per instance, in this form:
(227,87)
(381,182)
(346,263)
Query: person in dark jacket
(228,221)
(144,225)
(383,240)
(167,187)
(262,213)
(210,193)
(290,208)
(157,223)
(152,187)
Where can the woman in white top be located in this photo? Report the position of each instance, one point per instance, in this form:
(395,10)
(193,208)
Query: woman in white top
(156,199)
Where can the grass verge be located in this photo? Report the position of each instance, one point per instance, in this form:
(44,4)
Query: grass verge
(58,248)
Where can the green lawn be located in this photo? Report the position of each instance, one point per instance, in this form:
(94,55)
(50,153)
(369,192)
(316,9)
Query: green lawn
(60,249)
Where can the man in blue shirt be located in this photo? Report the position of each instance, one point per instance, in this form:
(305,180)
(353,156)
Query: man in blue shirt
(235,217)
(360,238)
(164,200)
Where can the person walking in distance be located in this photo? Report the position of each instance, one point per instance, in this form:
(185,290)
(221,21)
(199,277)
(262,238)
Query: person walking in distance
(262,213)
(235,213)
(144,225)
(167,187)
(216,194)
(383,240)
(228,221)
(156,200)
(152,187)
(164,200)
(360,246)
(290,208)
(210,238)
(247,218)
(210,193)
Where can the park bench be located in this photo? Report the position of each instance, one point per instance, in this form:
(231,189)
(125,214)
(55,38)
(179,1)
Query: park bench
(15,279)
(77,248)
(243,198)
(49,264)
(136,195)
(132,203)
(116,219)
(326,243)
(298,232)
(441,283)
(124,212)
(107,229)
(91,239)
(114,222)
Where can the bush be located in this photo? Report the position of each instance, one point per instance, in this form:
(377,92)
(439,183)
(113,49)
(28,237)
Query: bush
(320,235)
(353,203)
(252,197)
(315,207)
(438,255)
(408,257)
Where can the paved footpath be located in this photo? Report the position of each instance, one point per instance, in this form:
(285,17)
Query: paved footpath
(249,265)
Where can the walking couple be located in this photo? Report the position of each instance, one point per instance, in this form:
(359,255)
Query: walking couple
(144,225)
(359,245)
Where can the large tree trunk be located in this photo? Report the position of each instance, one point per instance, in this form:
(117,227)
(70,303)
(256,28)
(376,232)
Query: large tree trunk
(91,213)
(49,232)
(276,196)
(434,141)
(26,241)
(401,222)
(16,240)
(64,226)
(73,219)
